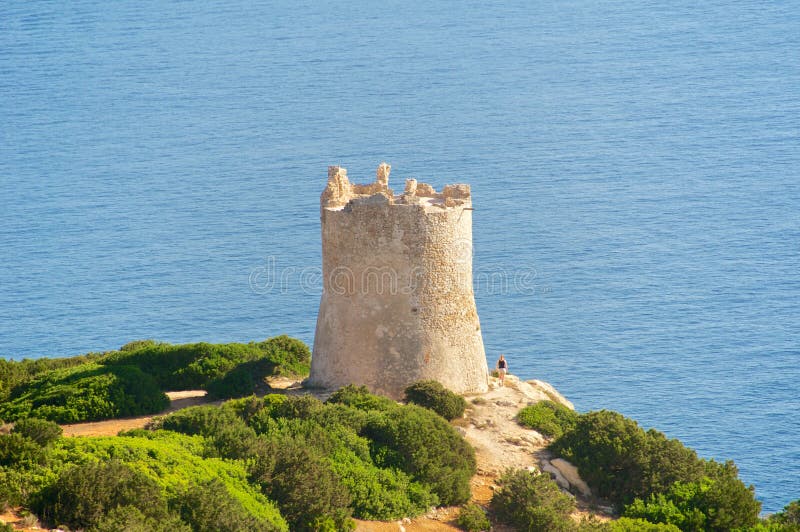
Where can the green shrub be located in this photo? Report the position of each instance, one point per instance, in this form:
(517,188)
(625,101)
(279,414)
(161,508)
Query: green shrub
(84,494)
(718,502)
(789,517)
(620,461)
(421,443)
(14,373)
(626,524)
(17,483)
(228,435)
(88,392)
(767,525)
(192,366)
(651,477)
(138,344)
(532,502)
(331,432)
(173,461)
(41,431)
(208,507)
(242,380)
(20,452)
(434,396)
(377,491)
(292,357)
(131,519)
(318,461)
(202,420)
(379,494)
(297,407)
(472,518)
(309,494)
(360,397)
(6,527)
(548,418)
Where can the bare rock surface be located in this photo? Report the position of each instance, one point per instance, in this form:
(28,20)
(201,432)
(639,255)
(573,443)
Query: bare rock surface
(570,473)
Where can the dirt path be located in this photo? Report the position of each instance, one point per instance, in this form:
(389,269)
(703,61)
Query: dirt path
(111,427)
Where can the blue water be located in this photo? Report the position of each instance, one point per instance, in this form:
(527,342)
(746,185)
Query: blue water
(635,170)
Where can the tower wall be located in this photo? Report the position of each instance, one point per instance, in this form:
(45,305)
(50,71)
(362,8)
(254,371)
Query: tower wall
(397,304)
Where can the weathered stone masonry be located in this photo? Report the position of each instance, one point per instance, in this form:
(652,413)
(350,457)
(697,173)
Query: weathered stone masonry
(397,303)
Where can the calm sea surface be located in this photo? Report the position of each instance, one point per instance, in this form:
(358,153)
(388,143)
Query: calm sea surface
(635,170)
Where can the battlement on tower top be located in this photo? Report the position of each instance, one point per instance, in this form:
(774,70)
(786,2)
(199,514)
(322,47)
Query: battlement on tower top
(340,192)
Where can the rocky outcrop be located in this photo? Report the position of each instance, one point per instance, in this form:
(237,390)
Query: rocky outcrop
(536,390)
(570,473)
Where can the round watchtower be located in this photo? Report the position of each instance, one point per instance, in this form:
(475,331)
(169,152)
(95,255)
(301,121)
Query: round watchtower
(397,303)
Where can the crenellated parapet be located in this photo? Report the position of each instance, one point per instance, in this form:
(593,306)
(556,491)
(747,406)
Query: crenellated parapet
(340,191)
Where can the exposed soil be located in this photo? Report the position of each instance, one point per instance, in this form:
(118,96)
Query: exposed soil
(112,427)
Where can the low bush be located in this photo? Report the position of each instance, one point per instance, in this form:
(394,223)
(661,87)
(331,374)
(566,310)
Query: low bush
(434,396)
(242,380)
(17,483)
(424,445)
(626,524)
(718,502)
(84,494)
(621,462)
(650,477)
(202,420)
(208,507)
(41,431)
(380,494)
(788,518)
(360,397)
(228,436)
(20,452)
(309,494)
(415,455)
(532,502)
(472,518)
(548,418)
(14,373)
(173,461)
(131,519)
(138,344)
(89,392)
(193,366)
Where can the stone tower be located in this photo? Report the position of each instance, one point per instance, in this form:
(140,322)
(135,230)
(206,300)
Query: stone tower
(397,303)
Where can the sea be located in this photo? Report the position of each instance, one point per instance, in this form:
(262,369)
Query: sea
(635,170)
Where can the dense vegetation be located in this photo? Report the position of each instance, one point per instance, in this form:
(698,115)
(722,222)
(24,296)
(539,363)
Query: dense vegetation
(432,395)
(86,393)
(473,518)
(15,373)
(274,463)
(132,381)
(196,366)
(529,501)
(787,520)
(650,477)
(533,502)
(295,463)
